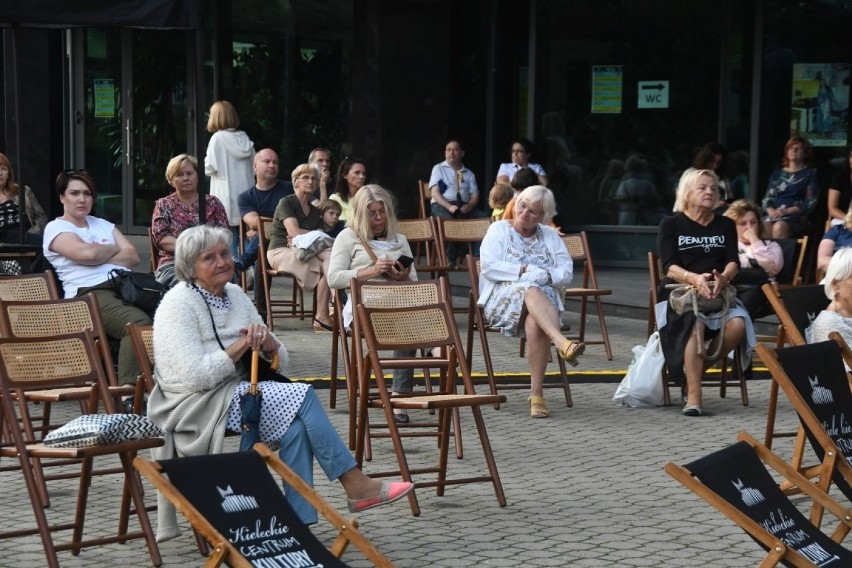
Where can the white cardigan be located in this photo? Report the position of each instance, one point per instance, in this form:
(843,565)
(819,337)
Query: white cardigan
(495,269)
(195,378)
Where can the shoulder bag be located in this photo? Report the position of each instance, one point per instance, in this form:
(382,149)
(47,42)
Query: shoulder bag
(138,289)
(684,298)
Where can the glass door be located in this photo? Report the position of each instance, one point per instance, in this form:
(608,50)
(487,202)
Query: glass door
(130,118)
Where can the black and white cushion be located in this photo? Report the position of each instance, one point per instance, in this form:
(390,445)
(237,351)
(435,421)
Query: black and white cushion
(102,429)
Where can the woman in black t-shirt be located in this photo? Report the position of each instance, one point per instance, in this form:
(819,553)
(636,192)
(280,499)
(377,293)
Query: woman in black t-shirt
(697,247)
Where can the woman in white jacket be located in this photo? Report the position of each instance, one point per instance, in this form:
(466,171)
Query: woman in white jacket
(202,330)
(229,162)
(524,266)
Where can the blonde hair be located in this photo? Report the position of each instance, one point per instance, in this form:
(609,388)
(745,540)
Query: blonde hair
(739,208)
(500,195)
(687,183)
(223,115)
(359,215)
(304,169)
(176,163)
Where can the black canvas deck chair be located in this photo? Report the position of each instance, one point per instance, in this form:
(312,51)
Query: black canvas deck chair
(815,380)
(736,482)
(235,495)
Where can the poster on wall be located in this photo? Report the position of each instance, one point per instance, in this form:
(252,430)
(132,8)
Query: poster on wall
(820,107)
(606,89)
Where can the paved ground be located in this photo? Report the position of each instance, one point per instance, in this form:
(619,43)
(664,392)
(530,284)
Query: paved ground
(584,488)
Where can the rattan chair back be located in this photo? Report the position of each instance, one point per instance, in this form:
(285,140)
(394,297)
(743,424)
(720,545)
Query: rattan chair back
(25,287)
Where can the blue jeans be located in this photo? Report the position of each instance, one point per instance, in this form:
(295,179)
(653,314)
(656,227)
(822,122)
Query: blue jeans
(249,256)
(312,435)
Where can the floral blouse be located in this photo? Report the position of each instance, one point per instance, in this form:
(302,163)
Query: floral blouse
(172,216)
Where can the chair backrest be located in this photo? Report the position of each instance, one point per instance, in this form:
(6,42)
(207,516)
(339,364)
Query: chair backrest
(735,481)
(265,226)
(793,251)
(425,201)
(142,339)
(814,378)
(465,231)
(422,237)
(57,317)
(578,249)
(796,307)
(153,250)
(24,287)
(230,494)
(66,360)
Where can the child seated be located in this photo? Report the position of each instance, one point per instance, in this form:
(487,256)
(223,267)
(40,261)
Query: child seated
(314,242)
(498,198)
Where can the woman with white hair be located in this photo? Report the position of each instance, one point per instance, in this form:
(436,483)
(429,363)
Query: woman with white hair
(524,265)
(697,247)
(838,288)
(204,329)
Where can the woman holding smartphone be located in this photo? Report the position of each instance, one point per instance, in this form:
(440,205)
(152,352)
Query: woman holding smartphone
(370,248)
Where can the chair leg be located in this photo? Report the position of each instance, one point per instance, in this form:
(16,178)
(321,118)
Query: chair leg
(604,333)
(566,386)
(402,460)
(489,455)
(135,485)
(772,408)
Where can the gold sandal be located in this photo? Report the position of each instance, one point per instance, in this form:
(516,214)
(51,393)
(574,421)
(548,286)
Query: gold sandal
(569,351)
(537,407)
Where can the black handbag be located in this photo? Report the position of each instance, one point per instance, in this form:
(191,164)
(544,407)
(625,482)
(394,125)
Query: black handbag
(138,289)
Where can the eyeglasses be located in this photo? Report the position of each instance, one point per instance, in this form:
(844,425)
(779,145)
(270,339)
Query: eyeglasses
(307,177)
(377,214)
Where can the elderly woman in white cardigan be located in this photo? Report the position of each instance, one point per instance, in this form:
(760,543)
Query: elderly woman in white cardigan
(203,328)
(524,265)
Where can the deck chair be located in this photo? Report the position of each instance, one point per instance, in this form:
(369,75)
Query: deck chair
(65,361)
(735,481)
(793,251)
(421,327)
(655,277)
(578,247)
(476,324)
(815,380)
(239,493)
(796,307)
(292,308)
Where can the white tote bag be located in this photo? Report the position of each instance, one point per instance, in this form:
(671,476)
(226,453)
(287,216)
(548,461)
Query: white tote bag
(642,385)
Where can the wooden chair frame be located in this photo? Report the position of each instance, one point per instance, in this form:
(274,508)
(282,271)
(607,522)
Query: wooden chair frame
(223,551)
(50,363)
(790,331)
(778,551)
(476,324)
(391,295)
(835,461)
(463,232)
(422,237)
(425,199)
(421,327)
(295,306)
(578,248)
(654,277)
(41,286)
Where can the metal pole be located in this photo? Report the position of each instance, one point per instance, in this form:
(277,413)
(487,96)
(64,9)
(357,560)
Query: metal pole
(199,124)
(12,76)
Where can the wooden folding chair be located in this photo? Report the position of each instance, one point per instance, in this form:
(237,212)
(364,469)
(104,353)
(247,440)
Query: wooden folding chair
(796,307)
(65,361)
(578,247)
(655,276)
(425,199)
(292,308)
(389,295)
(142,339)
(153,250)
(735,481)
(41,286)
(464,232)
(423,327)
(240,484)
(476,324)
(422,237)
(817,384)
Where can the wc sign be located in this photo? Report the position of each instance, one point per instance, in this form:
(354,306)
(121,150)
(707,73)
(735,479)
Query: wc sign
(653,94)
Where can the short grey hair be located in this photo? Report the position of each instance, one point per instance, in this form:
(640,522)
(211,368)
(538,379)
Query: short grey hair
(839,269)
(191,243)
(538,194)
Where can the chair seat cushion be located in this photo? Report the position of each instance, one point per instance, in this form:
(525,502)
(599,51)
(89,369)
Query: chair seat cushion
(100,429)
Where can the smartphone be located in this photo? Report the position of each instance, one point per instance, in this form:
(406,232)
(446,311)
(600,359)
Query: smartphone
(405,261)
